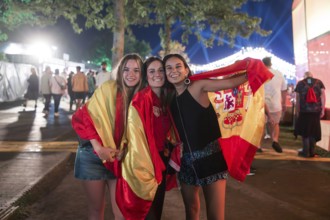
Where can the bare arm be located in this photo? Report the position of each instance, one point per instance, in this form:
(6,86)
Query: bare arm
(323,102)
(214,85)
(266,110)
(104,153)
(199,89)
(270,119)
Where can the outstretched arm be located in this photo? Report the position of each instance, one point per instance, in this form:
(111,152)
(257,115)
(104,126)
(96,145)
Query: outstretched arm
(199,89)
(213,85)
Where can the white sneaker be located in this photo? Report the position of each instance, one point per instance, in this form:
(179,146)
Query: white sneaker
(56,114)
(267,136)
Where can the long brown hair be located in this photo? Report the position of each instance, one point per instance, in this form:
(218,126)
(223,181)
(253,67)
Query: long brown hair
(127,92)
(164,95)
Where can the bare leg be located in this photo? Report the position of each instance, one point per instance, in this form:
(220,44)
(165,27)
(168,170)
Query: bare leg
(115,209)
(78,103)
(275,132)
(215,194)
(267,131)
(190,195)
(95,190)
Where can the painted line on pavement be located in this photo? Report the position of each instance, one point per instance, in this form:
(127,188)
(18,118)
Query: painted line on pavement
(24,146)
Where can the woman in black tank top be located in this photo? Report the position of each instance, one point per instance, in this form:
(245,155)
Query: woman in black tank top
(202,163)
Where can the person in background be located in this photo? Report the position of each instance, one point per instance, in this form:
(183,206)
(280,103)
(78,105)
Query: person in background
(91,83)
(45,88)
(103,75)
(70,92)
(275,98)
(266,129)
(190,104)
(100,126)
(148,153)
(64,73)
(33,88)
(310,107)
(79,87)
(57,88)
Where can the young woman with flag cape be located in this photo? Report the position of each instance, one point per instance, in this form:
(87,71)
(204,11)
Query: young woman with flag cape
(206,155)
(145,176)
(100,126)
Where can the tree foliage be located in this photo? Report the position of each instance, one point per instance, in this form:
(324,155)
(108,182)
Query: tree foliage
(14,13)
(219,19)
(100,14)
(100,48)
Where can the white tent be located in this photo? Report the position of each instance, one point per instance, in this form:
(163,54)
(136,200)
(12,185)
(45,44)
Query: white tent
(13,80)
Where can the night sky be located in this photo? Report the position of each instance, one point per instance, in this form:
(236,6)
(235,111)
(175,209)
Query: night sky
(276,15)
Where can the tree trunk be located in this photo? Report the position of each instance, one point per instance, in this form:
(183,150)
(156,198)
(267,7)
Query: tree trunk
(119,33)
(167,35)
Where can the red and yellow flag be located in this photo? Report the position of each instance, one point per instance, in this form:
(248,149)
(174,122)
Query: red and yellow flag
(142,166)
(241,114)
(96,119)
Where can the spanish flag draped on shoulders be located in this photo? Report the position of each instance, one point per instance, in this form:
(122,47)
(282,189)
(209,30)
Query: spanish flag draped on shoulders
(241,113)
(142,166)
(101,119)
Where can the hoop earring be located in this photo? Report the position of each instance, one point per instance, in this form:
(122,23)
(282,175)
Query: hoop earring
(187,80)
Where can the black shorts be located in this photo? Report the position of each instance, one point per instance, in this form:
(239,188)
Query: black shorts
(210,167)
(79,95)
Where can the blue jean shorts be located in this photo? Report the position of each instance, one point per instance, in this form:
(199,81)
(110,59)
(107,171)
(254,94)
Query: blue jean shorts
(88,165)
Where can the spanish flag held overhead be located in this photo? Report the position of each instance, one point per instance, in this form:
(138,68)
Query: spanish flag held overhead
(241,113)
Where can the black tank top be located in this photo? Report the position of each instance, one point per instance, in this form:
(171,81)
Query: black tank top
(201,124)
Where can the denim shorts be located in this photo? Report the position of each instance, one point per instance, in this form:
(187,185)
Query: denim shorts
(88,165)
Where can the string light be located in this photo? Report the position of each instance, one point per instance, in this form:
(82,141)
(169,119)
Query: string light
(288,70)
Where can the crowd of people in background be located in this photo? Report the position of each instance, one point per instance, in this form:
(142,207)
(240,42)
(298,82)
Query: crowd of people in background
(76,86)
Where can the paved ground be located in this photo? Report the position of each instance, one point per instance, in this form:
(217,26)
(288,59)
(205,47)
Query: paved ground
(36,182)
(29,124)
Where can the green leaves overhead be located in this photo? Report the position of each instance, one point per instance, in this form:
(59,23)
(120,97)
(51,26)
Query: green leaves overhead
(222,19)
